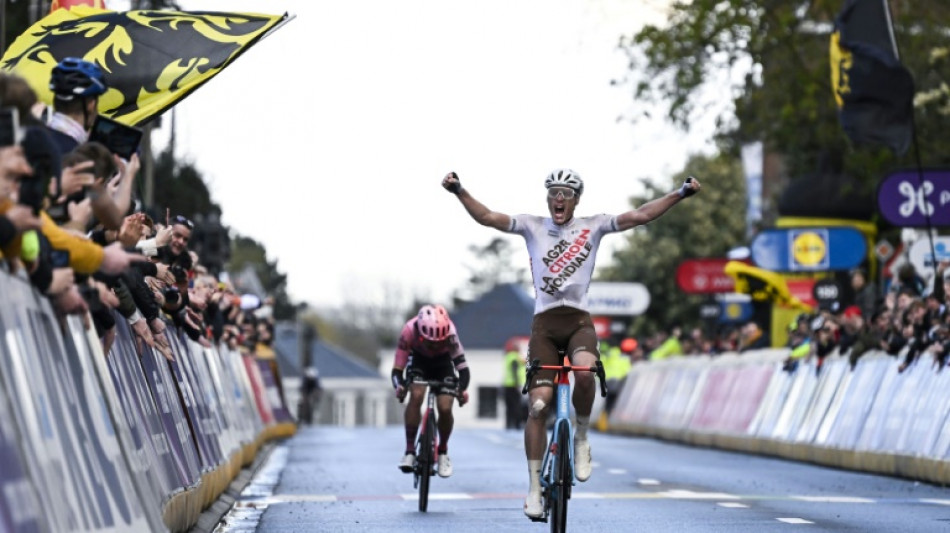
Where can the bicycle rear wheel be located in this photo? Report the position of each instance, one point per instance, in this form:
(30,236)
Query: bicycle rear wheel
(562,479)
(424,456)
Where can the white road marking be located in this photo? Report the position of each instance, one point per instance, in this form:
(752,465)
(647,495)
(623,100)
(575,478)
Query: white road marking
(733,505)
(832,499)
(936,501)
(617,471)
(692,495)
(648,481)
(794,521)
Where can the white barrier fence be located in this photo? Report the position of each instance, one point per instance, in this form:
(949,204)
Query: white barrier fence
(124,442)
(870,418)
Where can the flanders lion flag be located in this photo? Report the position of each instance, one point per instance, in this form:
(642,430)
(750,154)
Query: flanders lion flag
(151,59)
(874,91)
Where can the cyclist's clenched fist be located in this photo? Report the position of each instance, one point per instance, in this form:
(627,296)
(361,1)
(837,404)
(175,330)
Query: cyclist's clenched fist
(452,183)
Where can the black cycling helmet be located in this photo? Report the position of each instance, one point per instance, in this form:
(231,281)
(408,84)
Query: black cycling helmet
(74,77)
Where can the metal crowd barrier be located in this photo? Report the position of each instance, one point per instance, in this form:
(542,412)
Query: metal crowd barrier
(871,418)
(127,441)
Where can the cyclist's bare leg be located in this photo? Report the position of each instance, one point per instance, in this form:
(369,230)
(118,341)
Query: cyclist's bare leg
(584,390)
(584,384)
(535,435)
(417,393)
(446,420)
(535,442)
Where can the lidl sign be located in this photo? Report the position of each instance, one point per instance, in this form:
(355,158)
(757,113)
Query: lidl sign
(809,249)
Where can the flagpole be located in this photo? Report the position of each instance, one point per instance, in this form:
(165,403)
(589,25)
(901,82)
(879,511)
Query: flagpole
(913,133)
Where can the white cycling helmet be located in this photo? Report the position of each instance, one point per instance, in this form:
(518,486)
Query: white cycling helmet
(565,177)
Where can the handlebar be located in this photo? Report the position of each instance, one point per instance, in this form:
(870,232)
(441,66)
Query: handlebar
(535,366)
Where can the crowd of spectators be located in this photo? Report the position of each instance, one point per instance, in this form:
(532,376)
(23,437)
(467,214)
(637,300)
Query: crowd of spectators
(906,317)
(70,225)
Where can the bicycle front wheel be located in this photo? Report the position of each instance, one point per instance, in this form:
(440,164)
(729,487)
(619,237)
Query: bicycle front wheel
(425,457)
(562,479)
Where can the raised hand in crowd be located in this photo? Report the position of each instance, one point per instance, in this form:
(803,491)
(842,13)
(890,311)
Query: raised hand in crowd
(131,230)
(164,275)
(80,214)
(163,236)
(75,177)
(115,259)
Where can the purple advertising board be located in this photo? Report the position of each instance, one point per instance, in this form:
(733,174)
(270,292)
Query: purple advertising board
(907,198)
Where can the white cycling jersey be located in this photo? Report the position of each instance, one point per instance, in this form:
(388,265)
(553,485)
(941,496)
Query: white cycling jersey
(562,257)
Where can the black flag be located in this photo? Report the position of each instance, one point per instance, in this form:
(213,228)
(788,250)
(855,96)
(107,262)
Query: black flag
(873,90)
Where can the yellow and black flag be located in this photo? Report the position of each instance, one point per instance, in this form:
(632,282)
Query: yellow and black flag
(151,59)
(874,91)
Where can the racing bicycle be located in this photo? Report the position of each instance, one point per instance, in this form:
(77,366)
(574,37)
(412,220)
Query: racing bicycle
(427,440)
(557,467)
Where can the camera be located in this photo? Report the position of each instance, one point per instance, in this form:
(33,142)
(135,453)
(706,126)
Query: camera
(172,296)
(181,275)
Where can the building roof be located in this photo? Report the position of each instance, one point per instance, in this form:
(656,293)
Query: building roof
(331,361)
(505,311)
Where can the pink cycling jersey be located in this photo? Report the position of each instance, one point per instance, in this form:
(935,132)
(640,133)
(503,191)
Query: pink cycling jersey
(411,342)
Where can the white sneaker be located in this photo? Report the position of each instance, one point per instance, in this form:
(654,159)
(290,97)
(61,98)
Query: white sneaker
(532,506)
(445,466)
(582,460)
(408,463)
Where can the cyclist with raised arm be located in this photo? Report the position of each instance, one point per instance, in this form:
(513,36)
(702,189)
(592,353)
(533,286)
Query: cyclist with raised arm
(562,250)
(429,348)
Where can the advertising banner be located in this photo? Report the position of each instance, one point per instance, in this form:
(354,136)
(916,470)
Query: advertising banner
(922,256)
(141,414)
(281,414)
(704,276)
(617,298)
(209,451)
(907,198)
(162,386)
(19,504)
(809,249)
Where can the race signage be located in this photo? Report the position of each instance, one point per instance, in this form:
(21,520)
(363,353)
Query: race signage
(611,298)
(809,249)
(704,276)
(736,309)
(801,289)
(710,311)
(826,292)
(921,256)
(907,198)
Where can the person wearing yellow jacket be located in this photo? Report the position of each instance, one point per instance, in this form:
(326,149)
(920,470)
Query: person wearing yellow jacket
(512,382)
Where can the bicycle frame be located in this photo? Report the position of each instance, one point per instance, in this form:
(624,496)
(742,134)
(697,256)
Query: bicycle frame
(557,475)
(427,441)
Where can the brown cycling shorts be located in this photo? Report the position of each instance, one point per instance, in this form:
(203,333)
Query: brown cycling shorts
(560,328)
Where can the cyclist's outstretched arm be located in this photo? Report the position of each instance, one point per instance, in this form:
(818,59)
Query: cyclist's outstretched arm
(656,207)
(476,209)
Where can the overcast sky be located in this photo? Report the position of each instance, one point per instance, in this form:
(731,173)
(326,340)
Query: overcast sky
(327,141)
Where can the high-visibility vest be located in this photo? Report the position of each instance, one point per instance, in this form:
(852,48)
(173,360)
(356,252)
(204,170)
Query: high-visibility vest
(514,370)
